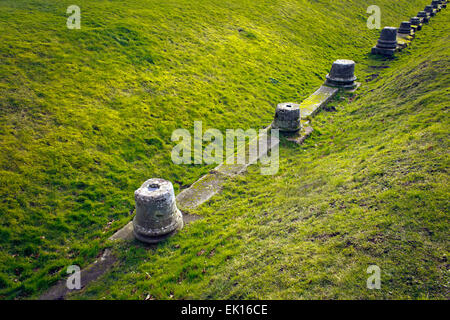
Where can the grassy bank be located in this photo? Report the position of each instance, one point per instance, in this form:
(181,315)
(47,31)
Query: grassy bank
(369,187)
(86,115)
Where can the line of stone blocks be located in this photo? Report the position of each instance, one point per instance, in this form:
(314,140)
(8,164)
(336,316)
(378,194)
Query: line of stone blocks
(288,116)
(392,39)
(157,215)
(387,43)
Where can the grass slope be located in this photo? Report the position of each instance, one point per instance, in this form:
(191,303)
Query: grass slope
(86,115)
(370,186)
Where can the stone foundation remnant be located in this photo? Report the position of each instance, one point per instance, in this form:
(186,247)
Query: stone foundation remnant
(311,105)
(436,4)
(157,216)
(405,30)
(287,117)
(430,10)
(416,24)
(424,16)
(387,43)
(342,75)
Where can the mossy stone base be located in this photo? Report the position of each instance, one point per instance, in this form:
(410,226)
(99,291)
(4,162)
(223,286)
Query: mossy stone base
(317,100)
(417,27)
(383,52)
(201,191)
(156,239)
(300,136)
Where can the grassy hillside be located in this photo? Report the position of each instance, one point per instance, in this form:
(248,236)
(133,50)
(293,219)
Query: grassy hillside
(86,115)
(370,186)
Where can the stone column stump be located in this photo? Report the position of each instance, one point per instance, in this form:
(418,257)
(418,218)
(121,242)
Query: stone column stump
(416,24)
(157,216)
(405,30)
(287,117)
(430,10)
(387,43)
(424,16)
(436,4)
(342,75)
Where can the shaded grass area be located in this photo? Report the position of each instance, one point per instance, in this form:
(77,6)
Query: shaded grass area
(369,187)
(86,115)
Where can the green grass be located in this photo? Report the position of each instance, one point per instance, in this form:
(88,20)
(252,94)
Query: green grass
(86,116)
(370,186)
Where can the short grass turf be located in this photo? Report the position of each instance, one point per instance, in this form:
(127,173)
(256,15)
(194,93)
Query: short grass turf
(86,115)
(369,187)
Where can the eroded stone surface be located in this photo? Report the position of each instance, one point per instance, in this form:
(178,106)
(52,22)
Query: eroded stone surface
(201,191)
(416,23)
(301,136)
(157,215)
(388,38)
(430,10)
(424,16)
(342,74)
(403,42)
(405,28)
(230,168)
(405,33)
(436,5)
(287,117)
(317,100)
(387,43)
(126,233)
(383,52)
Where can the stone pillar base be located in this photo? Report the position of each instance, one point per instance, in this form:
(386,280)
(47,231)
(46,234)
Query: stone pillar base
(383,52)
(417,27)
(141,236)
(347,86)
(157,216)
(287,117)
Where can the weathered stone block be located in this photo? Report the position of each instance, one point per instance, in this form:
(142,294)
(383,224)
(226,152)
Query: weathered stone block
(436,4)
(416,24)
(405,28)
(424,16)
(387,43)
(287,117)
(430,10)
(157,216)
(342,74)
(317,100)
(383,52)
